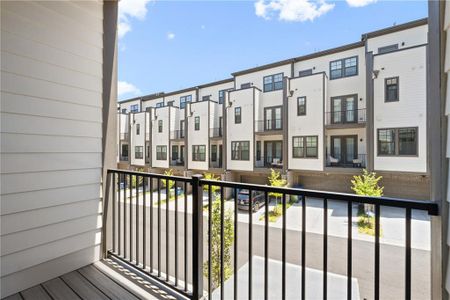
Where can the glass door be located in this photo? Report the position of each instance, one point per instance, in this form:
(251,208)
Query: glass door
(344,149)
(273,118)
(336,110)
(273,151)
(350,109)
(344,110)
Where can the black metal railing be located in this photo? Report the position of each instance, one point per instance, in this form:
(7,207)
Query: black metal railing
(176,163)
(137,237)
(359,161)
(268,125)
(124,158)
(215,163)
(124,136)
(215,132)
(177,134)
(268,162)
(353,116)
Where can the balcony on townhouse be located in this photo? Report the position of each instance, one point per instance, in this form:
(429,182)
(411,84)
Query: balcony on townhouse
(215,132)
(346,160)
(177,134)
(346,118)
(269,126)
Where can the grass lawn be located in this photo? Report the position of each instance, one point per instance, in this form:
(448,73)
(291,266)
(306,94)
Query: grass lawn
(276,212)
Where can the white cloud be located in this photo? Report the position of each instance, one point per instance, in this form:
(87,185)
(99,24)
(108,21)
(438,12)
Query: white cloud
(360,3)
(130,9)
(293,10)
(170,36)
(125,88)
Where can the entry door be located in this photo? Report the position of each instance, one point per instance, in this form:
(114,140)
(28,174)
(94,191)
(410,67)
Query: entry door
(182,153)
(273,149)
(272,118)
(220,156)
(344,109)
(344,148)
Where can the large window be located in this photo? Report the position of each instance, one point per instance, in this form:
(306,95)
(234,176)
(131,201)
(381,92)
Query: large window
(138,129)
(304,147)
(182,129)
(391,89)
(397,141)
(174,152)
(213,152)
(273,82)
(304,73)
(222,95)
(240,150)
(161,152)
(160,125)
(160,104)
(387,49)
(139,152)
(237,115)
(197,123)
(301,106)
(344,67)
(198,152)
(124,150)
(134,108)
(273,118)
(184,100)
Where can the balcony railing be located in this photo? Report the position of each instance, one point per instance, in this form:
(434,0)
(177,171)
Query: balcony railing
(124,136)
(215,164)
(268,162)
(346,117)
(124,158)
(215,132)
(268,125)
(177,134)
(359,161)
(201,245)
(176,163)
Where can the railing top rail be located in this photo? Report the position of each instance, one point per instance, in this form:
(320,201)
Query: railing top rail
(152,175)
(425,205)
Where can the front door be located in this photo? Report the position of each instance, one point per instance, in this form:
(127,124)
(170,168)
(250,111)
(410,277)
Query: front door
(273,151)
(220,156)
(344,109)
(345,149)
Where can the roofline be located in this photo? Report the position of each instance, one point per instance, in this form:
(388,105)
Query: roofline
(395,28)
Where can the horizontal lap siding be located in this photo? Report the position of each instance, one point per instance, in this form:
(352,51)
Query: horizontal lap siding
(51,139)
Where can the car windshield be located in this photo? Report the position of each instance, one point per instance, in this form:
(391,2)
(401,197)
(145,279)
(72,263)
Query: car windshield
(243,195)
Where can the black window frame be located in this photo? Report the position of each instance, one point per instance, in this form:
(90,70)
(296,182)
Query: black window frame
(124,150)
(138,154)
(160,126)
(397,142)
(238,116)
(303,146)
(246,85)
(272,85)
(197,123)
(343,67)
(387,49)
(237,154)
(185,99)
(304,73)
(170,103)
(214,153)
(206,98)
(174,154)
(134,108)
(161,152)
(159,104)
(182,128)
(386,89)
(124,110)
(299,113)
(197,155)
(138,129)
(222,95)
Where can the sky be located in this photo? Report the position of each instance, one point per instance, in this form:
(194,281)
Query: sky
(170,45)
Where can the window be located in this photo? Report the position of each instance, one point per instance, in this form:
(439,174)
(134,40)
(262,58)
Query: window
(184,100)
(139,152)
(174,152)
(138,129)
(170,103)
(258,150)
(160,104)
(237,115)
(246,85)
(305,147)
(240,150)
(197,123)
(222,95)
(397,141)
(206,98)
(387,49)
(304,73)
(161,152)
(134,108)
(124,110)
(273,118)
(125,150)
(198,152)
(301,106)
(182,129)
(391,89)
(213,152)
(344,67)
(160,125)
(273,82)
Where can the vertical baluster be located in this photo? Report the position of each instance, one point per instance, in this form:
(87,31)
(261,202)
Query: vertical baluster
(266,246)
(136,208)
(151,224)
(119,217)
(113,185)
(159,226)
(283,250)
(209,240)
(144,222)
(303,247)
(185,239)
(408,255)
(176,234)
(349,250)
(167,228)
(222,243)
(377,252)
(131,217)
(235,244)
(325,248)
(250,242)
(125,177)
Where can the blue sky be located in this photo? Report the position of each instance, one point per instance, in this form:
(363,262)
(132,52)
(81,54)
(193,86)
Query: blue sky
(170,45)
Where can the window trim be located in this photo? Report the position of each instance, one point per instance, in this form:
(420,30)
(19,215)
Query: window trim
(396,142)
(134,108)
(214,153)
(305,148)
(160,147)
(138,129)
(160,126)
(141,152)
(386,90)
(240,115)
(183,100)
(298,111)
(342,60)
(194,157)
(197,123)
(240,156)
(174,157)
(273,82)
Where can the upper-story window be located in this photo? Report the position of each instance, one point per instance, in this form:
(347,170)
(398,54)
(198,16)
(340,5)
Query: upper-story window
(391,89)
(138,129)
(397,141)
(198,152)
(222,95)
(237,115)
(160,125)
(197,123)
(304,147)
(301,106)
(134,108)
(161,152)
(306,72)
(124,110)
(246,85)
(344,67)
(206,98)
(160,104)
(184,100)
(170,103)
(273,82)
(138,152)
(182,129)
(240,150)
(387,49)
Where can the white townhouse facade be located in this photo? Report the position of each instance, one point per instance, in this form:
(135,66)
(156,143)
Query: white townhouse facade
(318,118)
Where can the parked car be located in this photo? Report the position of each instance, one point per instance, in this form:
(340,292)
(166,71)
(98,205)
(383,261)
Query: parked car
(257,200)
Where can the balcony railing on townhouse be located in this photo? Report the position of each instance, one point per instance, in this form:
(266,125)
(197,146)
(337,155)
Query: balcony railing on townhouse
(346,117)
(176,163)
(124,158)
(216,164)
(177,134)
(215,132)
(268,125)
(268,162)
(167,241)
(124,136)
(357,161)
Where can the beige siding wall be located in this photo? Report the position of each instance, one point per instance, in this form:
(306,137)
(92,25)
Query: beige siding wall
(51,139)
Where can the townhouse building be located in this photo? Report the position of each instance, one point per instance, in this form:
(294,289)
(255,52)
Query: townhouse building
(319,118)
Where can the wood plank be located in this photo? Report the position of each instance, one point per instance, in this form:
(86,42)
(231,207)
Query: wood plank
(82,286)
(35,293)
(59,290)
(13,297)
(108,286)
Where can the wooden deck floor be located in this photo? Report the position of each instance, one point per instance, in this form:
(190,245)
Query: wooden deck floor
(102,280)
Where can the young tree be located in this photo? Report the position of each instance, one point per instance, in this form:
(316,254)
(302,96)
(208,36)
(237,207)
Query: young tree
(276,180)
(166,182)
(214,188)
(133,178)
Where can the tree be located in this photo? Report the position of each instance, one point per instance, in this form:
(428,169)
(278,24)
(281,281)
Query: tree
(276,181)
(166,182)
(214,188)
(133,178)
